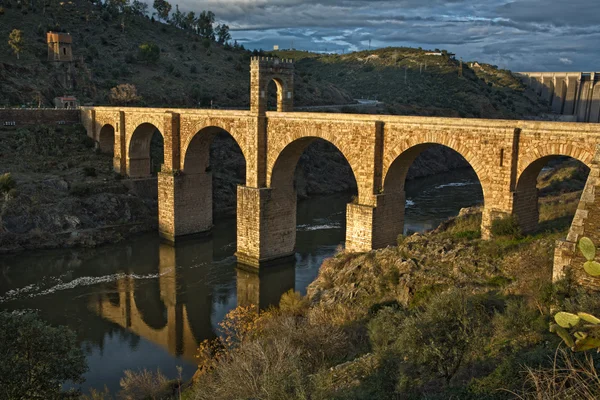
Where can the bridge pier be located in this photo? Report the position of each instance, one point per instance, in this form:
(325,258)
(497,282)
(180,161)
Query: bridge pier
(184,204)
(374,227)
(266,225)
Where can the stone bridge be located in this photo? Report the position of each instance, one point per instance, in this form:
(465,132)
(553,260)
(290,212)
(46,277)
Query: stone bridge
(507,157)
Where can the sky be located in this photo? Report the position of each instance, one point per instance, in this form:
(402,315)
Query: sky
(522,35)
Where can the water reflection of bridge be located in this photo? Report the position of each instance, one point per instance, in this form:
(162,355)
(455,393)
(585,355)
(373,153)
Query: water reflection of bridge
(174,307)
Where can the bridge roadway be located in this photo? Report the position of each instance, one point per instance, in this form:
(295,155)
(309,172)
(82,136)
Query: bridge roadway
(507,157)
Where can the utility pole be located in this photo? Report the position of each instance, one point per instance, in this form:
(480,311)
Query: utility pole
(460,68)
(369,44)
(405,72)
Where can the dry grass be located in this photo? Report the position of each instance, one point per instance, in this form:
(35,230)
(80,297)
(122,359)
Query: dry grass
(570,378)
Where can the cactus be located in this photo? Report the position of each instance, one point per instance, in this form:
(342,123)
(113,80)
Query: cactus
(580,331)
(566,320)
(592,268)
(587,248)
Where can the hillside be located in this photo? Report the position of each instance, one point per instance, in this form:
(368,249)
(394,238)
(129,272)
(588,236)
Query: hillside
(411,82)
(187,73)
(191,72)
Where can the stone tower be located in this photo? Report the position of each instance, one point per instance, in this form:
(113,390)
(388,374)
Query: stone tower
(263,70)
(59,47)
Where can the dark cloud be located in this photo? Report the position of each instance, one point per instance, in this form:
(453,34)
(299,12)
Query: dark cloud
(516,34)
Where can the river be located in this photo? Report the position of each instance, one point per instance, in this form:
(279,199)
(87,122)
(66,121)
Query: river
(142,304)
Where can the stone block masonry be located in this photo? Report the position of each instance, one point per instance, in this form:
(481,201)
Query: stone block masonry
(506,156)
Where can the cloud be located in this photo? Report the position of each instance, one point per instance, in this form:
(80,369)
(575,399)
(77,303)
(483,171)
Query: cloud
(515,34)
(565,60)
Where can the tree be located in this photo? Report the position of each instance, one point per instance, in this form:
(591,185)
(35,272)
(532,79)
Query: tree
(149,53)
(15,41)
(124,94)
(163,8)
(223,33)
(205,24)
(118,5)
(190,20)
(139,8)
(37,358)
(177,19)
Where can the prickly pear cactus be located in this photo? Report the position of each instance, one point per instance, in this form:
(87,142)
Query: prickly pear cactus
(580,331)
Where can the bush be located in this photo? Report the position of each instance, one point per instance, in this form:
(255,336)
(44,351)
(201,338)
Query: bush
(149,53)
(37,358)
(7,183)
(146,385)
(436,340)
(193,69)
(507,226)
(1,10)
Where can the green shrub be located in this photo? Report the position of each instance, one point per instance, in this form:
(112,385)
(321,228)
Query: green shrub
(7,183)
(149,53)
(37,358)
(193,69)
(507,226)
(439,338)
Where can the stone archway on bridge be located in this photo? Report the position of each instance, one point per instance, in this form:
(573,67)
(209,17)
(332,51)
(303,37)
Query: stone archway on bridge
(395,180)
(139,151)
(281,212)
(526,194)
(192,204)
(106,139)
(264,70)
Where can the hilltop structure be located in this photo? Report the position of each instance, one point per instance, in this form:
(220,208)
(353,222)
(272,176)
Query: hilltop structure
(573,94)
(59,47)
(60,54)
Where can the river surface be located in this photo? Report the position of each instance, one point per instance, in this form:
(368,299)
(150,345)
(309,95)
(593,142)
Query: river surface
(142,304)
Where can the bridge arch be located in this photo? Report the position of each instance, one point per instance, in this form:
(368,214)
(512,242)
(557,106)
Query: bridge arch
(525,200)
(394,180)
(139,163)
(398,159)
(197,145)
(194,209)
(106,139)
(280,91)
(282,209)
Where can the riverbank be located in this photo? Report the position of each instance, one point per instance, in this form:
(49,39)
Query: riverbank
(442,315)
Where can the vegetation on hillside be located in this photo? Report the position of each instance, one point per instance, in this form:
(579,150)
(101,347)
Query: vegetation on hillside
(37,359)
(197,62)
(440,316)
(187,60)
(411,81)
